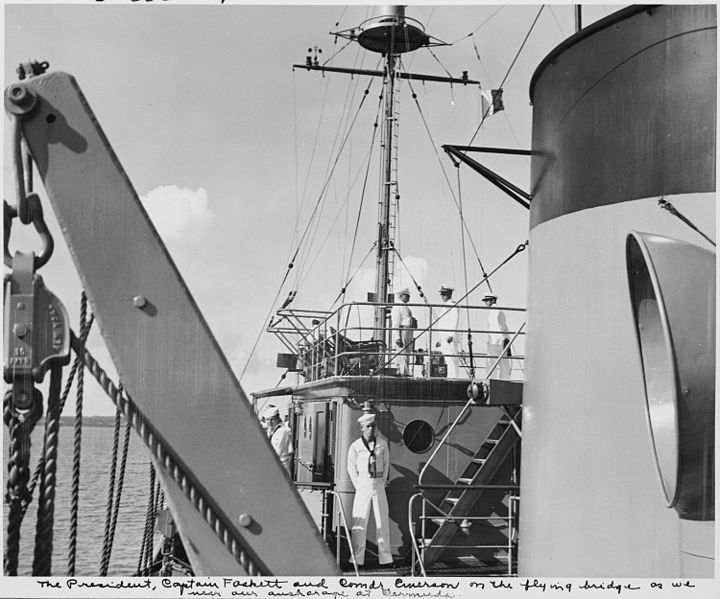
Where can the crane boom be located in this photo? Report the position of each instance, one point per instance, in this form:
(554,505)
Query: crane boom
(218,467)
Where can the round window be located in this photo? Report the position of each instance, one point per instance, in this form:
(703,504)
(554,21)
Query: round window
(418,436)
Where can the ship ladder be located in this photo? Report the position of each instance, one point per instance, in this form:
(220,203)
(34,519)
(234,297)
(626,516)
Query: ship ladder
(453,512)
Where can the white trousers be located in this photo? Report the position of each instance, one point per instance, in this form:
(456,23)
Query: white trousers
(370,492)
(449,350)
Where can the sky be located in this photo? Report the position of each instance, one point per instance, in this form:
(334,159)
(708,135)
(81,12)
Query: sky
(228,147)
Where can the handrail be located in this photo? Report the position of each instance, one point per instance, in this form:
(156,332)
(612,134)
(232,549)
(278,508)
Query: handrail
(418,554)
(413,539)
(469,402)
(313,485)
(504,351)
(451,428)
(350,349)
(464,487)
(347,532)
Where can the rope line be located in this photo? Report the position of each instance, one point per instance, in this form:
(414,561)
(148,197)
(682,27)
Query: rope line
(105,560)
(147,530)
(192,491)
(18,473)
(42,561)
(85,325)
(121,480)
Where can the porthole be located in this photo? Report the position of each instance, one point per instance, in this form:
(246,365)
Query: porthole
(418,436)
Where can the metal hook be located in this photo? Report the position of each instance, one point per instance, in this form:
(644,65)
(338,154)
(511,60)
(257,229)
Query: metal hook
(35,212)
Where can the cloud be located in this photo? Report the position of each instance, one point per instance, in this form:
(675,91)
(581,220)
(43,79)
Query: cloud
(179,213)
(364,280)
(417,266)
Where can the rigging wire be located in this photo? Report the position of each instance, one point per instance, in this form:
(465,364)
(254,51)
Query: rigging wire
(474,31)
(315,217)
(367,163)
(337,52)
(519,249)
(305,233)
(505,115)
(310,164)
(342,132)
(447,180)
(507,74)
(563,35)
(442,66)
(349,280)
(420,291)
(465,275)
(663,203)
(329,232)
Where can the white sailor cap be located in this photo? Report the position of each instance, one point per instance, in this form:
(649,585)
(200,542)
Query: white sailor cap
(446,289)
(490,297)
(271,412)
(403,291)
(366,419)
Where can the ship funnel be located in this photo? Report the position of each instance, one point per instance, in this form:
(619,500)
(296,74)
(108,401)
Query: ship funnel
(672,291)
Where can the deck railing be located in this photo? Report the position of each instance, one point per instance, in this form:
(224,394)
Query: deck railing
(345,342)
(420,545)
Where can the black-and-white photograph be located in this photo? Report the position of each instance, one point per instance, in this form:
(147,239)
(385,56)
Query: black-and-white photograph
(359,301)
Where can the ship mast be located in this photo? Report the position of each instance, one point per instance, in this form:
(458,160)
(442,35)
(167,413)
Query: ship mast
(390,34)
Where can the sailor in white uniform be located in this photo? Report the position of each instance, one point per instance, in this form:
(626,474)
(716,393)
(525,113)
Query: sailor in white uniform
(496,341)
(447,324)
(368,465)
(403,322)
(280,436)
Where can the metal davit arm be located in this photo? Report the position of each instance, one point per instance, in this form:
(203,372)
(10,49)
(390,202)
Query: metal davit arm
(218,467)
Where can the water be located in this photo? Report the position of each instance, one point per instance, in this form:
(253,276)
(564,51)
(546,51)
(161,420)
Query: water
(97,443)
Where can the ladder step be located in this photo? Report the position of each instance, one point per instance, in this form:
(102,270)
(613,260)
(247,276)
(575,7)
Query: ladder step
(465,480)
(438,521)
(480,461)
(490,442)
(452,500)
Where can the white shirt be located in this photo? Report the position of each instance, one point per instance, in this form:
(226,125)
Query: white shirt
(281,440)
(448,320)
(402,316)
(359,456)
